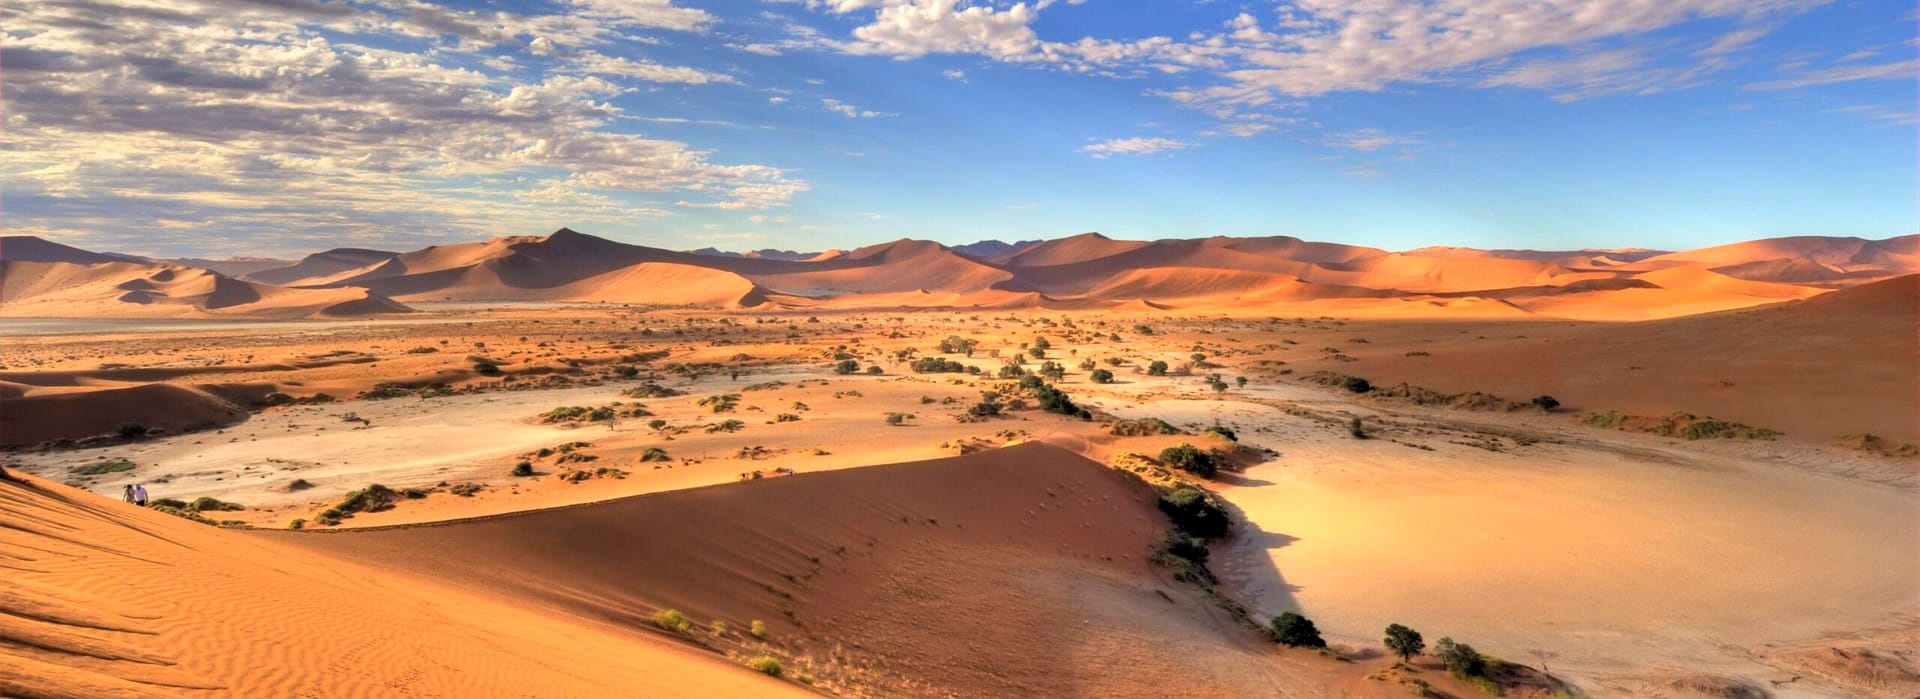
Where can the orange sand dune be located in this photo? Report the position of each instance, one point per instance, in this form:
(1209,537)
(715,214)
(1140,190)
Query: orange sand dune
(1663,293)
(105,599)
(900,266)
(34,414)
(319,267)
(1834,364)
(1800,259)
(1013,572)
(1170,283)
(1079,248)
(134,290)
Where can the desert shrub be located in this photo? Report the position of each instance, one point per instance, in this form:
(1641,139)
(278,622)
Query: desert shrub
(672,620)
(654,454)
(1100,375)
(765,664)
(955,344)
(576,457)
(1140,427)
(758,628)
(1191,459)
(1052,371)
(1157,368)
(1054,400)
(786,417)
(101,467)
(373,498)
(875,370)
(897,419)
(718,627)
(1461,659)
(1291,629)
(1546,404)
(725,426)
(937,365)
(1357,428)
(131,430)
(327,518)
(1192,548)
(846,366)
(989,406)
(721,403)
(1041,343)
(523,469)
(1194,512)
(1088,364)
(207,504)
(1223,432)
(168,502)
(465,490)
(486,367)
(297,524)
(1356,384)
(651,390)
(1404,642)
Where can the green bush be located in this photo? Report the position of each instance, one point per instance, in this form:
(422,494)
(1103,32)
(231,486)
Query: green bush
(765,664)
(1191,459)
(1461,659)
(1192,511)
(1054,400)
(1291,629)
(672,620)
(1101,376)
(523,469)
(1140,427)
(846,366)
(1356,384)
(758,628)
(937,365)
(1157,368)
(654,454)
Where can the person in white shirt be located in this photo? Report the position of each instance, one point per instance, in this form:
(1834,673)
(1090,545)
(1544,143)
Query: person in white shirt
(140,495)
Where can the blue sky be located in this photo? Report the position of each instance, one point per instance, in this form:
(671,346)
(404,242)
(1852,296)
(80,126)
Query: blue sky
(279,128)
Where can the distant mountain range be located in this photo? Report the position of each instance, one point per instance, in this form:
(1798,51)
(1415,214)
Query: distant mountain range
(1273,275)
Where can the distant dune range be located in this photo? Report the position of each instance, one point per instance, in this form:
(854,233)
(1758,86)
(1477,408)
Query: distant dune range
(1271,275)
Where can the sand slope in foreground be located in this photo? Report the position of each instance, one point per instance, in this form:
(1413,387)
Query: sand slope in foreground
(107,600)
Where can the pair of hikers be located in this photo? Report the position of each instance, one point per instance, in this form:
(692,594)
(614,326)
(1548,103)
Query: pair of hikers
(136,494)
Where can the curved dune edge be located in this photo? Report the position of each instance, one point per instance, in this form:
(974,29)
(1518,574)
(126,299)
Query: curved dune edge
(107,600)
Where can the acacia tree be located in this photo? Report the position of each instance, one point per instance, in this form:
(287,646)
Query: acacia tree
(1404,642)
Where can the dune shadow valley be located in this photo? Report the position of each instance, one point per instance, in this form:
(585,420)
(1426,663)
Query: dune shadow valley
(568,466)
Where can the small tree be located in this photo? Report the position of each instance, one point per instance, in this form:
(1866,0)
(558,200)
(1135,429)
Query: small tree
(846,366)
(1193,512)
(1291,629)
(1157,368)
(1461,659)
(1101,376)
(1191,459)
(1404,642)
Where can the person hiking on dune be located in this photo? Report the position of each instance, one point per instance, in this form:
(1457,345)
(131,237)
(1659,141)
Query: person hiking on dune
(127,497)
(140,495)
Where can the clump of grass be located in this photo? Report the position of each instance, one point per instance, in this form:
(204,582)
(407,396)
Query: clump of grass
(654,454)
(758,628)
(672,620)
(718,627)
(765,664)
(102,467)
